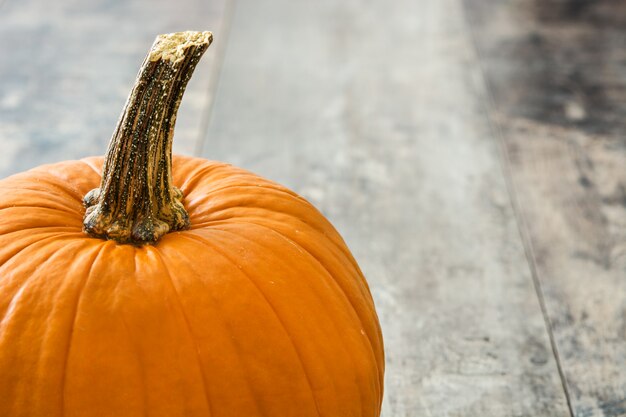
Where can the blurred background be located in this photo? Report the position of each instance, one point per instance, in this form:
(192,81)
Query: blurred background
(472,153)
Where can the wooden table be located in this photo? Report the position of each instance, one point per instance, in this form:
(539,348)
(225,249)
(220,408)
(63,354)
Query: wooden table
(471,152)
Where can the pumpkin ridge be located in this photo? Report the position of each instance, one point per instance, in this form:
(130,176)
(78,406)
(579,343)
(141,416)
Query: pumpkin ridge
(47,229)
(132,342)
(194,236)
(277,188)
(21,286)
(38,193)
(209,224)
(364,290)
(142,375)
(341,294)
(15,298)
(29,245)
(51,179)
(336,240)
(224,322)
(188,325)
(63,210)
(197,174)
(336,256)
(339,289)
(244,220)
(99,249)
(270,185)
(53,235)
(87,162)
(313,257)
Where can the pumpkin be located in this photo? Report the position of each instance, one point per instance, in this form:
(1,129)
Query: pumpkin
(142,284)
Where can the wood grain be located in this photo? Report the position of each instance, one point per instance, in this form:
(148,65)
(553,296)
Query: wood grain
(557,75)
(378,112)
(375,111)
(67,67)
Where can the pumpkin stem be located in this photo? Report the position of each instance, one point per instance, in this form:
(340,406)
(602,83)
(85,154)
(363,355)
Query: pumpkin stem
(136,202)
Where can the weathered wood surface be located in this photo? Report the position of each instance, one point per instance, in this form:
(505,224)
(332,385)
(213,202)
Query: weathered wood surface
(379,113)
(67,67)
(557,75)
(375,112)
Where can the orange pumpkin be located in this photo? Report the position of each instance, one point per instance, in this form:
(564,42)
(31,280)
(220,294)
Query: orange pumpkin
(225,296)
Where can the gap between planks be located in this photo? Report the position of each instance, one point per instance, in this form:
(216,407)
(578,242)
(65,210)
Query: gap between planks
(505,163)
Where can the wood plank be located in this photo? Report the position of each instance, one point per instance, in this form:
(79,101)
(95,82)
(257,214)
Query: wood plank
(557,74)
(67,67)
(375,112)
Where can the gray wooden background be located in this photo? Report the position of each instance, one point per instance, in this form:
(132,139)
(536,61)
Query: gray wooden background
(471,152)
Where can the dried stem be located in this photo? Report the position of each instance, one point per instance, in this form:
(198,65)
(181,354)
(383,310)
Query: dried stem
(137,202)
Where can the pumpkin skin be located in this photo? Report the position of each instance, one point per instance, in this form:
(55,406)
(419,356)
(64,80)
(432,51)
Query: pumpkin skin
(258,309)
